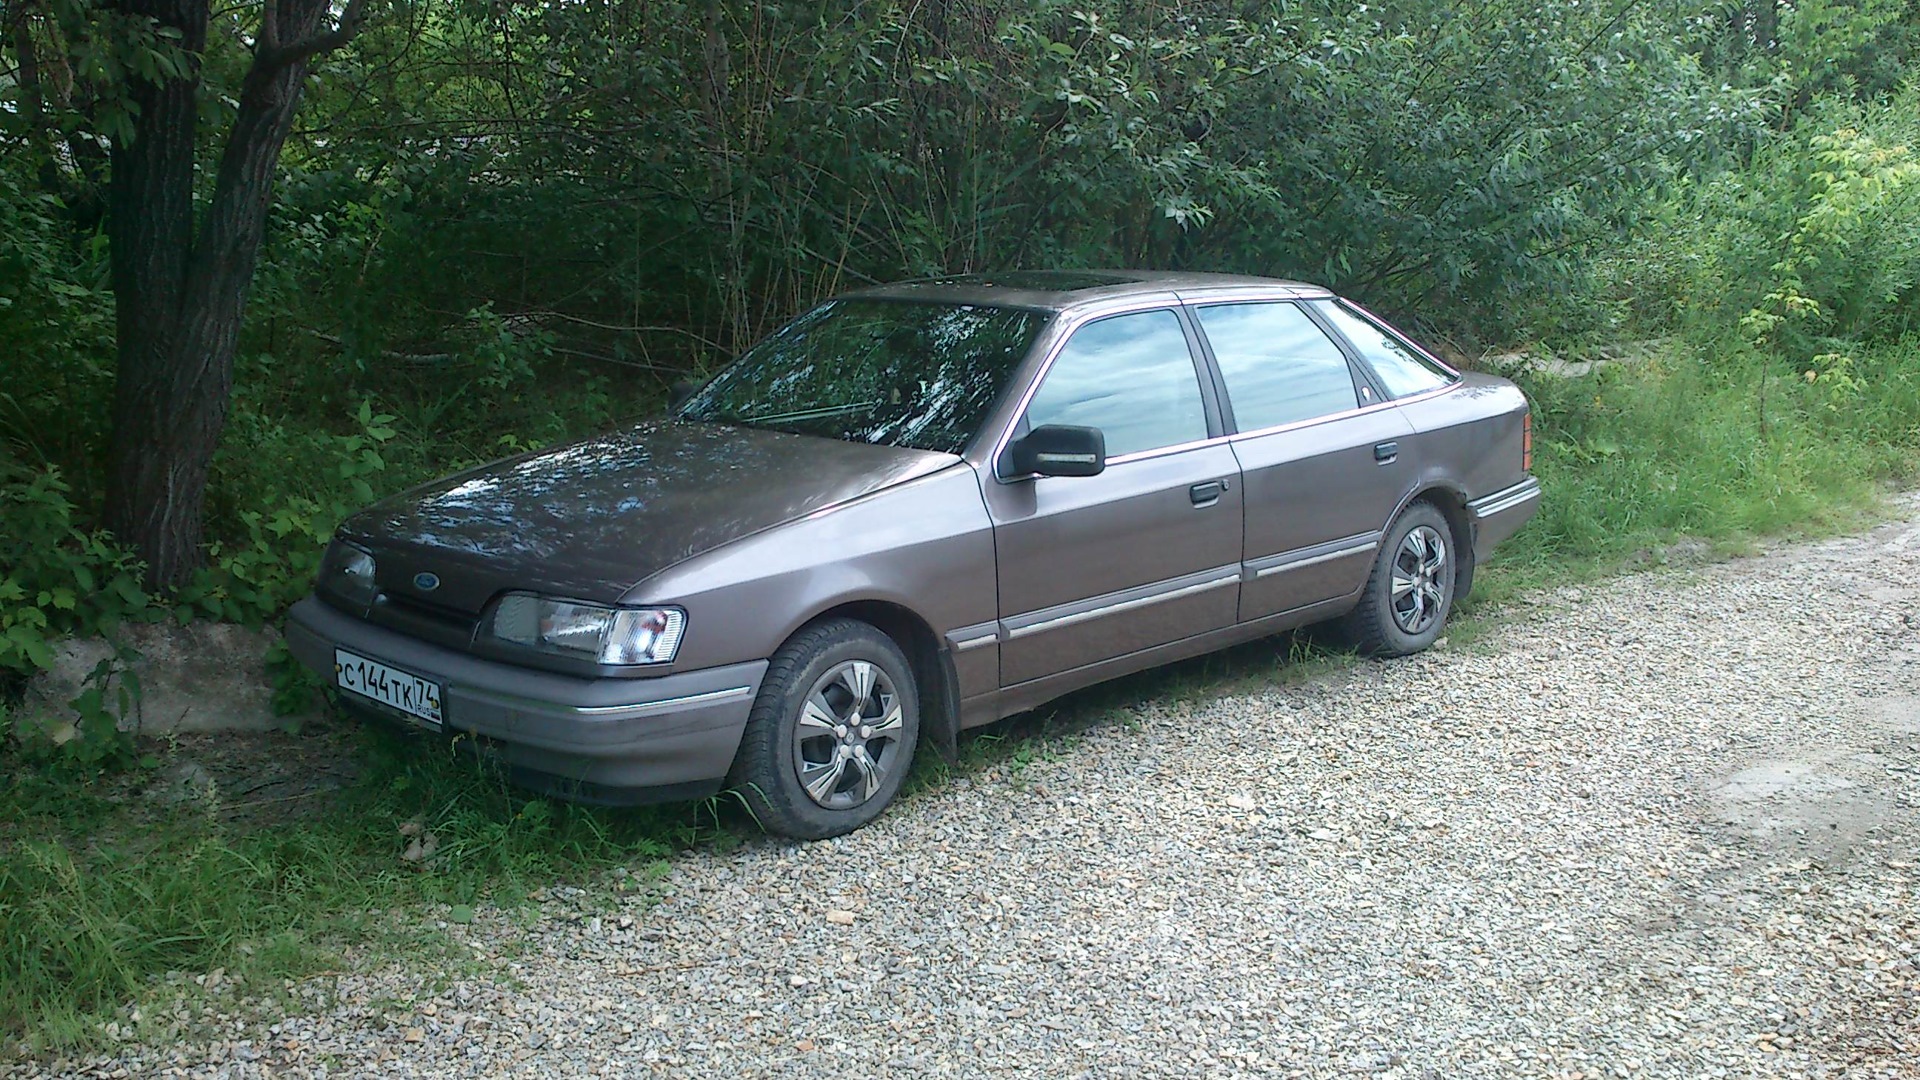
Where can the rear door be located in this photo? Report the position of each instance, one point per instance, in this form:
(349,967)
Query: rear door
(1146,553)
(1318,452)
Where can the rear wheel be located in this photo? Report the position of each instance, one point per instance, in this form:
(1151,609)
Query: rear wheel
(1410,593)
(832,733)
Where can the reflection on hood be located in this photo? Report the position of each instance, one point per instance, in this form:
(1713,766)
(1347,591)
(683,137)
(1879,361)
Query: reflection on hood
(592,518)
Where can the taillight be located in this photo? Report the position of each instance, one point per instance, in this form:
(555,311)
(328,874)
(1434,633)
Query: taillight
(1526,442)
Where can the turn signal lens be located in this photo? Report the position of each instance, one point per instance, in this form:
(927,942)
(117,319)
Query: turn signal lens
(643,637)
(1526,442)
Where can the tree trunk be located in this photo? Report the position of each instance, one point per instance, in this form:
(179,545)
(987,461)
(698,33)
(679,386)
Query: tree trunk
(155,487)
(180,294)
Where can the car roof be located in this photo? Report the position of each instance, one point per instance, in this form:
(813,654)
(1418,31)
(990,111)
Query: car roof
(1056,290)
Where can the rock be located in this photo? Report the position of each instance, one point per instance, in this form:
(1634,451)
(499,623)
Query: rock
(840,917)
(204,676)
(421,845)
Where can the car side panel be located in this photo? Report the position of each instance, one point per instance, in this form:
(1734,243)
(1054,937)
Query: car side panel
(926,546)
(1467,439)
(1317,498)
(1037,692)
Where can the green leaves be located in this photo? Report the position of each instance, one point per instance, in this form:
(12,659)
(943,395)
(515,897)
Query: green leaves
(1847,211)
(58,579)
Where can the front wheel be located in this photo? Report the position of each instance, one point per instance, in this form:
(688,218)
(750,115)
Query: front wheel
(1410,593)
(832,733)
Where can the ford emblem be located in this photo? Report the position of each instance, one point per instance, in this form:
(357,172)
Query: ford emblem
(426,581)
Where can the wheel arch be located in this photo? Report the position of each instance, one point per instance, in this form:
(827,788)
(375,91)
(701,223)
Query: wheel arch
(933,671)
(1451,501)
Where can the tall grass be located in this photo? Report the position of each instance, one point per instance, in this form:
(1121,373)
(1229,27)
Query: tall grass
(102,891)
(1706,442)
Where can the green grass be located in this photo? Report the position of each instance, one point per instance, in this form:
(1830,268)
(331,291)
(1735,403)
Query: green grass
(102,890)
(102,893)
(1697,449)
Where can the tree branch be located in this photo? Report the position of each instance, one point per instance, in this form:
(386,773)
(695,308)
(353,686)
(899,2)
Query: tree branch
(272,56)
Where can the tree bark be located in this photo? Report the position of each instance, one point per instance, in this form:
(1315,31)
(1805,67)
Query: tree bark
(181,292)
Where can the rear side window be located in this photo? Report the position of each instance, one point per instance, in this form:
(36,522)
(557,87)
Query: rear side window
(1280,368)
(1402,371)
(1131,376)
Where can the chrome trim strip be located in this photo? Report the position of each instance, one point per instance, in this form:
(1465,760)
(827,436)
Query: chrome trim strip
(1124,605)
(1163,451)
(973,638)
(604,712)
(1505,499)
(1315,560)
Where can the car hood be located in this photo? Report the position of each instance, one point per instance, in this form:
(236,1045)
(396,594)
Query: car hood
(590,519)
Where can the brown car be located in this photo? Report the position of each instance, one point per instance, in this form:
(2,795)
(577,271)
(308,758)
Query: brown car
(921,508)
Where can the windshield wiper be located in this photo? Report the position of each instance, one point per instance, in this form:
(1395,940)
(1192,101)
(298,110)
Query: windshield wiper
(820,413)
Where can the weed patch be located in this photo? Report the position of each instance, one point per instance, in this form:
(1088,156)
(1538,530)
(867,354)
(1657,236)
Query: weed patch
(105,889)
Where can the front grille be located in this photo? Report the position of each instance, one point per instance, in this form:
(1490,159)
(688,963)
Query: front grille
(435,623)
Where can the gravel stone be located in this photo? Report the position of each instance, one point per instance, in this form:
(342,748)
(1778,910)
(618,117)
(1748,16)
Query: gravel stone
(1662,826)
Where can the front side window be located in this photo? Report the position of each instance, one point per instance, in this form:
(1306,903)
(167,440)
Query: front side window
(897,373)
(1402,370)
(1280,368)
(1132,377)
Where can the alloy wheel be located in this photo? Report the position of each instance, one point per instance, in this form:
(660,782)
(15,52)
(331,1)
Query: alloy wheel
(847,740)
(1419,579)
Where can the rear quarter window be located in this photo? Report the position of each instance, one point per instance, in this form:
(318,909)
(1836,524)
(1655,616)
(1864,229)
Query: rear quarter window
(1402,371)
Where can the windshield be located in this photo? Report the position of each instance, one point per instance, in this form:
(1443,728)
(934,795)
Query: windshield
(919,375)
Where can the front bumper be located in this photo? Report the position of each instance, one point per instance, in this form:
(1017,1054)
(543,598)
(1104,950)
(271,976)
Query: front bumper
(1501,514)
(604,740)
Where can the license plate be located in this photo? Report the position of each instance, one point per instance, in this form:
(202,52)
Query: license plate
(417,697)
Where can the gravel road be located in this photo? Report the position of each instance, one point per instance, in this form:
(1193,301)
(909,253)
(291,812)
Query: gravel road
(1665,826)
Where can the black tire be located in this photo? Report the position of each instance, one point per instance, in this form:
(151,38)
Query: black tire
(1386,625)
(825,657)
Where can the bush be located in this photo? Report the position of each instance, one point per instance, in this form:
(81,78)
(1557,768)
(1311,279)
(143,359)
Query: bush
(1813,245)
(56,336)
(58,578)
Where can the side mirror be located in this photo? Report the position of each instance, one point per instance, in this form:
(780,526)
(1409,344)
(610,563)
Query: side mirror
(681,392)
(1059,450)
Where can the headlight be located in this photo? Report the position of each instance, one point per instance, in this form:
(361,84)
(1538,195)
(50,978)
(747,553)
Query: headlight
(347,572)
(605,635)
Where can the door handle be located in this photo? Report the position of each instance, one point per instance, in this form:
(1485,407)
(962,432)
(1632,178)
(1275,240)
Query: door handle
(1385,453)
(1208,493)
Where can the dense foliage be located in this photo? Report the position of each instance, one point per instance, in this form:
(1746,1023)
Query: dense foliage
(500,224)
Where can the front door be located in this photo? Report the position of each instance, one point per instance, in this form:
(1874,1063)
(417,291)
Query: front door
(1146,553)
